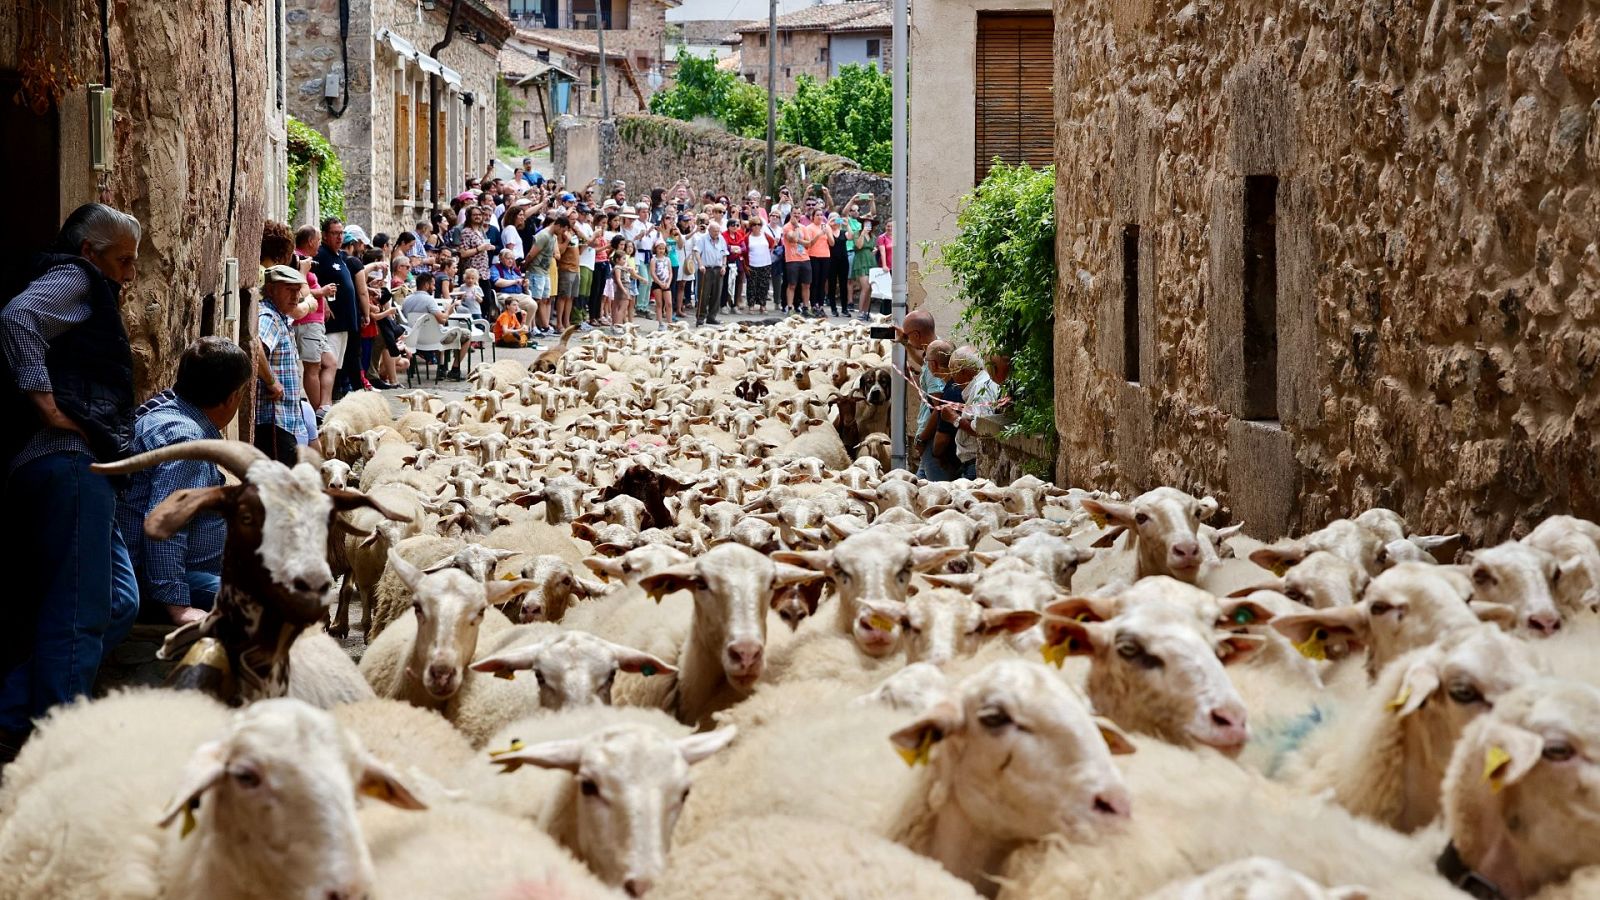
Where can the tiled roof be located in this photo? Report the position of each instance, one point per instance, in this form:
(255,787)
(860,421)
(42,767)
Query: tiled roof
(730,63)
(878,21)
(569,45)
(822,18)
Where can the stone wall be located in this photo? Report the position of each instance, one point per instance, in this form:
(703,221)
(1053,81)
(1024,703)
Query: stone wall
(1432,260)
(175,157)
(653,151)
(1004,459)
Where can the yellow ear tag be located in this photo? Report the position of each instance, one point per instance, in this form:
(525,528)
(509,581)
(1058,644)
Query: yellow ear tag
(507,674)
(516,745)
(881,622)
(1314,646)
(1278,568)
(1494,764)
(508,576)
(1399,700)
(1099,518)
(919,756)
(188,817)
(1056,654)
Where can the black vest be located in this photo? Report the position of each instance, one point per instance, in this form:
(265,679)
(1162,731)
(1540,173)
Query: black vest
(91,369)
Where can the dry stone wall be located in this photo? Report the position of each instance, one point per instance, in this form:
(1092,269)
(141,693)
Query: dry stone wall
(1436,260)
(653,151)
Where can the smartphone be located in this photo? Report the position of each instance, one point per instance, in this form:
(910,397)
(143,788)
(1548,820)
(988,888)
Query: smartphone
(881,332)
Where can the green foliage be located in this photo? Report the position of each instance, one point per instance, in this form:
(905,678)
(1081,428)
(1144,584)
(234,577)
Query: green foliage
(849,114)
(504,105)
(1003,263)
(306,145)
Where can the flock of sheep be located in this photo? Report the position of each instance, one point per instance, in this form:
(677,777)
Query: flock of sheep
(678,559)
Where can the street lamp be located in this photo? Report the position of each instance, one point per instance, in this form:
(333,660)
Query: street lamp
(654,79)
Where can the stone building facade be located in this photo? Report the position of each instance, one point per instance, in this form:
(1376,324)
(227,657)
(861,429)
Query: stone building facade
(1321,256)
(809,39)
(201,169)
(635,29)
(368,91)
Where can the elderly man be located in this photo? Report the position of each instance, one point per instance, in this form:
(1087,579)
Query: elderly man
(279,421)
(979,396)
(942,459)
(710,253)
(451,338)
(930,384)
(68,391)
(182,574)
(343,321)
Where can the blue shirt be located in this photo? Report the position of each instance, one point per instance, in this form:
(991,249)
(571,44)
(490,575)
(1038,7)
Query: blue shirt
(952,394)
(55,302)
(931,385)
(169,419)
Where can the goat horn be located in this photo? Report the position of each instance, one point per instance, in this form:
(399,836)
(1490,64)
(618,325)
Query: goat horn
(235,456)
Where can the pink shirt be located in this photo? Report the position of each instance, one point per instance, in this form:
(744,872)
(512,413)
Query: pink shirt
(886,245)
(320,314)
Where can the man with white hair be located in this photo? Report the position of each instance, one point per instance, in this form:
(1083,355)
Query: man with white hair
(68,397)
(279,423)
(710,253)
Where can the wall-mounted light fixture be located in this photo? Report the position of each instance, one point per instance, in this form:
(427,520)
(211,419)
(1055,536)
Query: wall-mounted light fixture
(230,290)
(428,5)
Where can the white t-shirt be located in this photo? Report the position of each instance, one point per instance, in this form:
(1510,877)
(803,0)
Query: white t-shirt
(980,395)
(511,239)
(760,248)
(585,255)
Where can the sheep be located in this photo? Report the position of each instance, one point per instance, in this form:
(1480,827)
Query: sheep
(1008,729)
(391,598)
(556,586)
(1054,556)
(1157,661)
(1575,543)
(1161,526)
(615,787)
(367,555)
(1522,577)
(724,650)
(1256,876)
(1386,761)
(276,577)
(871,572)
(437,761)
(1192,812)
(1009,584)
(808,858)
(266,799)
(461,851)
(816,437)
(572,668)
(356,412)
(321,673)
(1519,797)
(423,658)
(1321,581)
(1408,606)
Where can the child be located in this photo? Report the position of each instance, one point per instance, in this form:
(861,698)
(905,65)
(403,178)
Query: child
(661,274)
(509,330)
(625,273)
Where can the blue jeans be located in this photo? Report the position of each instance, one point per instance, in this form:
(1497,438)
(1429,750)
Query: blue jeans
(72,563)
(203,587)
(933,468)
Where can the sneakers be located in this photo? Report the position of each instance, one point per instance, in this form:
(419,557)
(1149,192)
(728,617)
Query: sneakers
(585,327)
(454,375)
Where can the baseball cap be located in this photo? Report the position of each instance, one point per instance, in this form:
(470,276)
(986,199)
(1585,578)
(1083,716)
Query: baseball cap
(353,233)
(284,275)
(568,198)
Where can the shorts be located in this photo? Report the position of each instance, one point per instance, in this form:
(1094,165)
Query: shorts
(797,271)
(567,284)
(539,285)
(585,282)
(312,339)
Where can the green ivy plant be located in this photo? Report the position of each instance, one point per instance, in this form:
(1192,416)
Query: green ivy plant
(1003,264)
(307,146)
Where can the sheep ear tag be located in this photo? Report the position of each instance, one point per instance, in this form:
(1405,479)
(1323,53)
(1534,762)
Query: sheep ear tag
(507,674)
(516,744)
(919,756)
(1316,647)
(1056,654)
(647,670)
(881,622)
(1399,701)
(1495,761)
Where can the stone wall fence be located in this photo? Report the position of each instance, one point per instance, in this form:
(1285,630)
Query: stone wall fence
(654,151)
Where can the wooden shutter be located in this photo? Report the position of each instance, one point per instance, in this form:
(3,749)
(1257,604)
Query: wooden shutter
(1014,105)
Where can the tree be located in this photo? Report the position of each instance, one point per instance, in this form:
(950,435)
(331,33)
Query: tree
(850,114)
(700,91)
(504,106)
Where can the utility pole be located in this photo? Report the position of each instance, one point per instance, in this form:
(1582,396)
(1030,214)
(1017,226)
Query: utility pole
(900,46)
(600,29)
(772,98)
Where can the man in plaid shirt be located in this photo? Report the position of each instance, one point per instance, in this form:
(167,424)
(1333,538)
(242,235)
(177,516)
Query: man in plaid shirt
(183,573)
(278,418)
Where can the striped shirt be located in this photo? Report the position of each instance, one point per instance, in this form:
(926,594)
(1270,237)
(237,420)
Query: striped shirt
(277,338)
(167,419)
(50,306)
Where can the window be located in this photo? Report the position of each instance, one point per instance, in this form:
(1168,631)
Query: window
(527,130)
(786,38)
(786,71)
(761,41)
(419,153)
(1014,104)
(1260,297)
(873,48)
(1130,303)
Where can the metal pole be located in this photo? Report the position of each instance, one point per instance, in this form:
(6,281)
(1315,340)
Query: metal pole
(600,29)
(772,98)
(900,46)
(433,106)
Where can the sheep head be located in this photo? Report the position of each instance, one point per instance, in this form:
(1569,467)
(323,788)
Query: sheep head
(574,668)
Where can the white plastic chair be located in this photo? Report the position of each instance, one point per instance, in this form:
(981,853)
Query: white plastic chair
(424,337)
(480,336)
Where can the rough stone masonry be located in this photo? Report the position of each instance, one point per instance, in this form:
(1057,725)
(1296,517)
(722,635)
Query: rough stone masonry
(1320,255)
